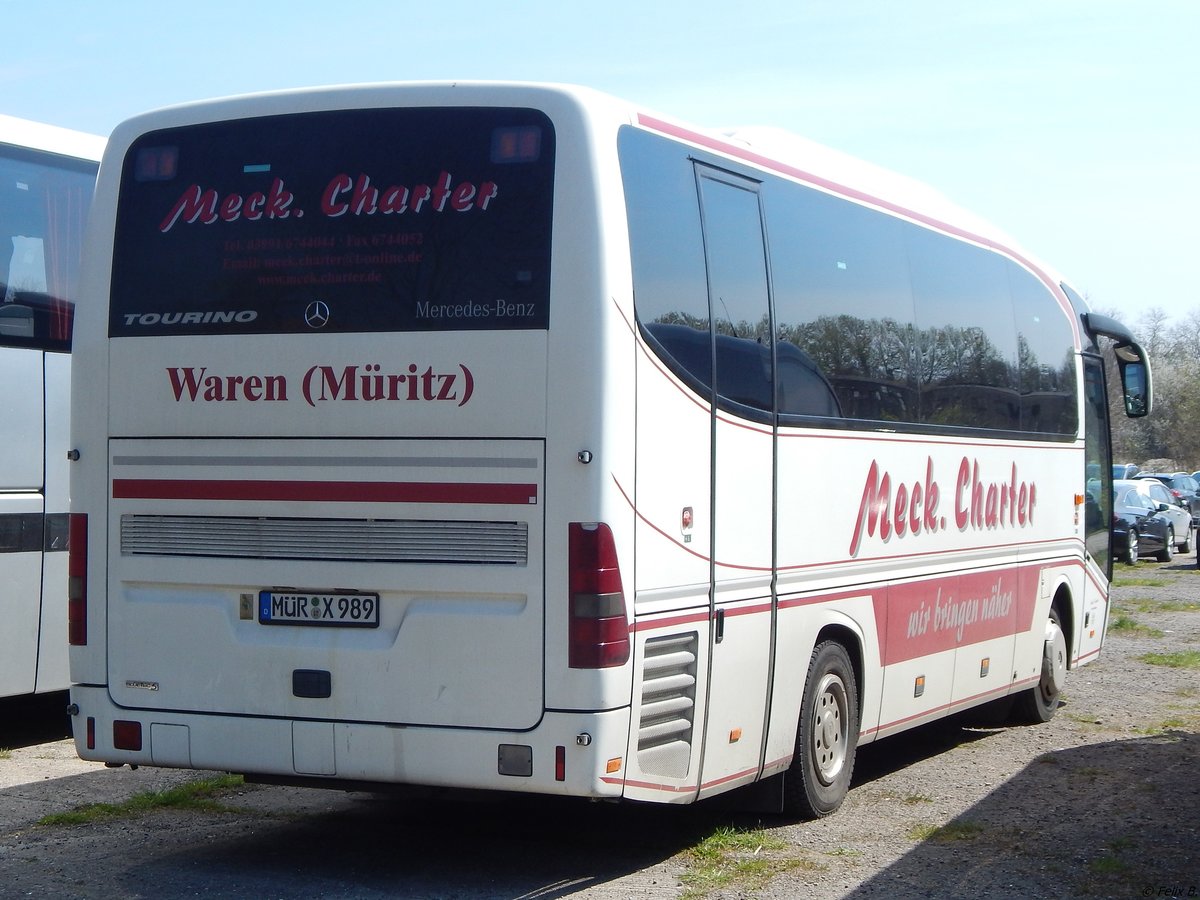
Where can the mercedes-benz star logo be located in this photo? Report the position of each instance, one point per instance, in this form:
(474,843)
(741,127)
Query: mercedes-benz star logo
(316,314)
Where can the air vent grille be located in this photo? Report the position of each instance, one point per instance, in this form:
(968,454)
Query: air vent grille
(358,540)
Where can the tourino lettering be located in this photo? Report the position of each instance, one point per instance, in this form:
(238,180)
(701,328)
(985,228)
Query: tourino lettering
(212,316)
(323,383)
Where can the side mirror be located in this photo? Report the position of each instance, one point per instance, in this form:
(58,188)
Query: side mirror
(1135,379)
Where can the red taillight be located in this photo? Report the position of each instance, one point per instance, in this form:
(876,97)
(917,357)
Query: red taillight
(599,630)
(77,580)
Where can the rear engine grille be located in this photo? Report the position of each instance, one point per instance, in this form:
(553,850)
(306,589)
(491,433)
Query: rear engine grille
(356,540)
(668,704)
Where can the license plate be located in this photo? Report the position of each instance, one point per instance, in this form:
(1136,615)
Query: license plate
(318,608)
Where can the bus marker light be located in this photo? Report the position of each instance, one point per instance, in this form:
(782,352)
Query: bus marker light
(984,665)
(517,144)
(91,732)
(614,765)
(919,686)
(560,763)
(77,579)
(735,735)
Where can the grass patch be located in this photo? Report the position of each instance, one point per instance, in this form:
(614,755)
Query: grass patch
(1108,865)
(906,799)
(1175,723)
(745,858)
(847,852)
(1180,659)
(195,795)
(1153,605)
(946,834)
(1123,624)
(1131,581)
(5,753)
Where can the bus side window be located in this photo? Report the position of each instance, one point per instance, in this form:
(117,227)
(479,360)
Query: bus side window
(803,388)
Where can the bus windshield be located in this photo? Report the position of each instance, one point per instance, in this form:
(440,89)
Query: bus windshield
(368,220)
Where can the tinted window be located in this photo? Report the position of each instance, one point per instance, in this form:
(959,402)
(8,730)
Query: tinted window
(44,202)
(1046,356)
(393,219)
(737,289)
(843,304)
(967,347)
(879,322)
(667,252)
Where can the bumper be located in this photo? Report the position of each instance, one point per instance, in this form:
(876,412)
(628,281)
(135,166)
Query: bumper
(366,753)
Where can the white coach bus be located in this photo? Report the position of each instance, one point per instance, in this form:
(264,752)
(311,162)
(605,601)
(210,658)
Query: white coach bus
(507,437)
(46,179)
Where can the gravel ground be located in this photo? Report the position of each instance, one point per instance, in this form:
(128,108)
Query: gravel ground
(1103,801)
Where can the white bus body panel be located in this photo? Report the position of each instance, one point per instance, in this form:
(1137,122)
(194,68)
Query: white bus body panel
(467,656)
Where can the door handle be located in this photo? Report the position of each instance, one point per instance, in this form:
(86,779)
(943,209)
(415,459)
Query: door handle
(720,626)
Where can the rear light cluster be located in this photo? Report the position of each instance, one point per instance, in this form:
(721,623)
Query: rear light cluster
(77,580)
(599,629)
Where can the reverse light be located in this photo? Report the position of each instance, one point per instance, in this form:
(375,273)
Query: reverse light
(77,580)
(599,629)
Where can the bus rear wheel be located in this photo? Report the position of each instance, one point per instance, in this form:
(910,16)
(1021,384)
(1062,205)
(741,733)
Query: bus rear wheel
(826,740)
(1040,703)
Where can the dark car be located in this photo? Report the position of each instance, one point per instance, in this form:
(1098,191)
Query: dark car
(1139,527)
(1183,487)
(1125,470)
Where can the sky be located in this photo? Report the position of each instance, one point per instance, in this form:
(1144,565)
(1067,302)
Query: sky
(1073,125)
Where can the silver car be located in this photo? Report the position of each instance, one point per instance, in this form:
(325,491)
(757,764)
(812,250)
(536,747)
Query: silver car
(1180,518)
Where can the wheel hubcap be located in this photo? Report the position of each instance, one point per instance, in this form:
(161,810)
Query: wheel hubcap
(1054,661)
(830,730)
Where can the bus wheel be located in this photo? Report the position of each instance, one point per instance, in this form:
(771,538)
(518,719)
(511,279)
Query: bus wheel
(1040,703)
(819,776)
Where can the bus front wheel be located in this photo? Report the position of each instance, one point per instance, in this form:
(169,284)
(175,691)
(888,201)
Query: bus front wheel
(1040,703)
(826,740)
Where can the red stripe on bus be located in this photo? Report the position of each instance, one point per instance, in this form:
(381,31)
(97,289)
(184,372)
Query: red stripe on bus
(325,491)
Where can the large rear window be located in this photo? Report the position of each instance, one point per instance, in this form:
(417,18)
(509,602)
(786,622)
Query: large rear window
(426,219)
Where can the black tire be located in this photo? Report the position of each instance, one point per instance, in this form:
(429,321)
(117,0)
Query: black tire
(1167,553)
(1186,546)
(827,737)
(1131,547)
(1040,702)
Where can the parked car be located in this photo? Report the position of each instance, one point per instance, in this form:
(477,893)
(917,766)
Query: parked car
(1180,518)
(1125,470)
(1138,527)
(1183,487)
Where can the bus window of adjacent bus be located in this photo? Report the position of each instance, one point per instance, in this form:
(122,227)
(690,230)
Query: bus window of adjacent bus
(44,201)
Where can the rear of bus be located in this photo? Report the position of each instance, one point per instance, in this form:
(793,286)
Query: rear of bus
(333,515)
